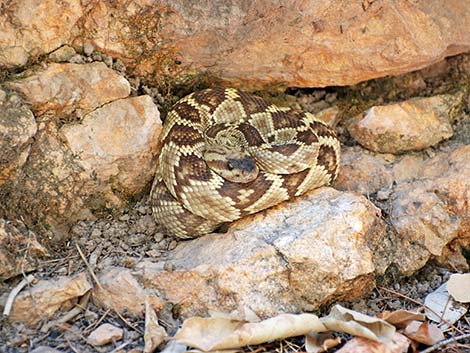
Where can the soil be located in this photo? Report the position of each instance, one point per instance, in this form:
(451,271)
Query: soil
(126,238)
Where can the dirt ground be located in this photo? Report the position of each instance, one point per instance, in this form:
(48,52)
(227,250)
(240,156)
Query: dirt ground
(124,239)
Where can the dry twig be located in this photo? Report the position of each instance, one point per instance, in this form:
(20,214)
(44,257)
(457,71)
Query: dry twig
(14,292)
(70,315)
(424,306)
(92,273)
(441,344)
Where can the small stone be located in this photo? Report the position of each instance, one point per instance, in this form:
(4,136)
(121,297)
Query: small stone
(90,316)
(124,217)
(142,210)
(88,48)
(96,233)
(383,195)
(104,334)
(63,54)
(77,59)
(329,115)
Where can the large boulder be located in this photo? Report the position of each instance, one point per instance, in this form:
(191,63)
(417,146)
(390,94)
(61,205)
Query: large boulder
(245,43)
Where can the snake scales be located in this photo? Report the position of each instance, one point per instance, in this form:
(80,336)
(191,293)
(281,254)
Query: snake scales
(226,154)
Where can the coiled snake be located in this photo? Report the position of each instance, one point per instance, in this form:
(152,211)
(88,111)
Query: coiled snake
(226,154)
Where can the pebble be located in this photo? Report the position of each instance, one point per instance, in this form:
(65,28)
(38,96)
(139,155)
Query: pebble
(104,334)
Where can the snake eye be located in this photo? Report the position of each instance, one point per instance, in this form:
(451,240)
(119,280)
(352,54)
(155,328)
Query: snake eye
(230,166)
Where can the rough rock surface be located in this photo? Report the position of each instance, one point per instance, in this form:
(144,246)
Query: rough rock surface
(31,28)
(268,263)
(431,211)
(17,128)
(250,43)
(427,199)
(117,143)
(81,163)
(46,297)
(19,249)
(122,291)
(65,88)
(411,125)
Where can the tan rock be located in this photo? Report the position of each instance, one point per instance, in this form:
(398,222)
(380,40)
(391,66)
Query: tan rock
(293,257)
(19,249)
(43,300)
(245,43)
(66,88)
(363,172)
(17,128)
(29,28)
(118,143)
(105,334)
(122,291)
(407,126)
(84,167)
(429,213)
(308,45)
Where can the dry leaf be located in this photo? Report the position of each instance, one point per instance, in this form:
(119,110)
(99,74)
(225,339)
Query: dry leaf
(398,344)
(357,324)
(401,318)
(209,334)
(458,287)
(154,333)
(424,333)
(439,304)
(320,342)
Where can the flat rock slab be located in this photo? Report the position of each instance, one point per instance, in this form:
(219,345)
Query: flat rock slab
(294,257)
(43,299)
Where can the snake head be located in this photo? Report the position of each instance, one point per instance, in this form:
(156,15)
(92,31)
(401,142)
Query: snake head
(232,165)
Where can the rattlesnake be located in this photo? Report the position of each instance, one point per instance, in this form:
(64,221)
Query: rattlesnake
(226,154)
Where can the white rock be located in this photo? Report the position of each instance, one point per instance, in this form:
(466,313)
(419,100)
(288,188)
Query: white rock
(104,334)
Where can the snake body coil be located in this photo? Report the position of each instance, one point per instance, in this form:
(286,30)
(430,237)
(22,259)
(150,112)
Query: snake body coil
(226,154)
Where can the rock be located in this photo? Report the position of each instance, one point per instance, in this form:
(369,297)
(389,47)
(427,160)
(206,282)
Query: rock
(329,115)
(105,334)
(62,54)
(407,126)
(122,291)
(30,28)
(43,300)
(17,128)
(19,249)
(333,48)
(122,157)
(429,212)
(291,258)
(363,172)
(61,89)
(85,167)
(309,45)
